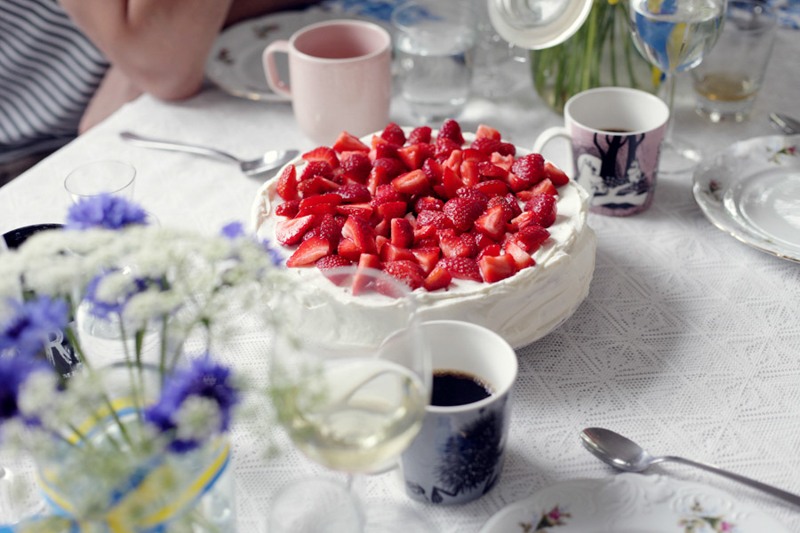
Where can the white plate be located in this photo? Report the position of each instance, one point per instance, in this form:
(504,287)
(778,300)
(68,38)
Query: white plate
(752,191)
(631,503)
(234,63)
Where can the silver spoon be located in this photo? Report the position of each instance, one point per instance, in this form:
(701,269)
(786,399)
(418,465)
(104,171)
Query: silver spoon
(785,124)
(269,161)
(624,454)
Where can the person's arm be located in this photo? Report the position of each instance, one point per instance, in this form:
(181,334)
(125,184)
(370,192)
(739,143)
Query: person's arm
(160,46)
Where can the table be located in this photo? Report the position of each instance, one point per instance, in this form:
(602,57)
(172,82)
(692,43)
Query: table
(689,341)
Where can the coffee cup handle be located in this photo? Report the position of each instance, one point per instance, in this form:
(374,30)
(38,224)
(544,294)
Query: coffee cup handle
(274,80)
(554,133)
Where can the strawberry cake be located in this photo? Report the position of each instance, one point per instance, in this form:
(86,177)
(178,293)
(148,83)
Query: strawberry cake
(480,230)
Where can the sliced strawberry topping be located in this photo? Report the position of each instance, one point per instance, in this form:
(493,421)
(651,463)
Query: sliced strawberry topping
(544,187)
(325,264)
(390,252)
(451,130)
(402,232)
(392,167)
(543,207)
(394,134)
(462,268)
(412,183)
(428,203)
(349,143)
(444,147)
(408,272)
(495,268)
(323,153)
(529,168)
(309,252)
(555,174)
(288,209)
(439,278)
(458,245)
(493,222)
(530,238)
(437,219)
(287,183)
(415,155)
(354,193)
(521,257)
(361,233)
(317,168)
(462,212)
(488,132)
(427,257)
(418,135)
(360,281)
(291,231)
(361,210)
(357,166)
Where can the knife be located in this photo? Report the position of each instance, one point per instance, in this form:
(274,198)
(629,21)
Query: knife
(785,124)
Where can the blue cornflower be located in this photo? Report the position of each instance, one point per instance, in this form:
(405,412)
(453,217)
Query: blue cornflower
(203,378)
(104,211)
(102,308)
(14,372)
(234,230)
(28,330)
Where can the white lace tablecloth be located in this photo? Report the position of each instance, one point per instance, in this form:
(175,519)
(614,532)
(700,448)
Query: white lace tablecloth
(689,341)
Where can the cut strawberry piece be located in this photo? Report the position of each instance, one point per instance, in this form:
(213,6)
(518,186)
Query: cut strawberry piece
(489,170)
(543,206)
(469,154)
(394,134)
(329,229)
(451,182)
(502,161)
(290,231)
(287,183)
(521,258)
(349,143)
(427,257)
(481,240)
(377,177)
(415,155)
(408,272)
(444,147)
(329,262)
(424,233)
(418,135)
(428,203)
(529,168)
(462,268)
(361,233)
(507,149)
(508,210)
(361,210)
(485,145)
(383,149)
(518,184)
(393,167)
(437,219)
(493,222)
(530,238)
(331,198)
(433,170)
(458,245)
(555,174)
(438,278)
(322,153)
(411,183)
(488,132)
(512,202)
(317,210)
(454,161)
(523,221)
(493,187)
(390,252)
(544,187)
(357,166)
(316,185)
(462,212)
(474,194)
(495,268)
(288,209)
(402,233)
(354,193)
(392,210)
(387,193)
(451,130)
(348,249)
(309,252)
(469,173)
(365,263)
(317,168)
(492,250)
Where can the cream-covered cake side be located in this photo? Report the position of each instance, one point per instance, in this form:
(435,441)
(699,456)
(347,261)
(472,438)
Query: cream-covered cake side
(521,308)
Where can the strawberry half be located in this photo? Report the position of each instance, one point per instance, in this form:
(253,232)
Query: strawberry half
(408,272)
(361,233)
(287,183)
(291,231)
(322,153)
(495,268)
(462,268)
(309,252)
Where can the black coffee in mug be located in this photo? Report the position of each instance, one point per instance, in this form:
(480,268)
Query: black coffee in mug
(452,387)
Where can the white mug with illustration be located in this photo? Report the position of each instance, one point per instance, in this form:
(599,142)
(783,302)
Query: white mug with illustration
(615,136)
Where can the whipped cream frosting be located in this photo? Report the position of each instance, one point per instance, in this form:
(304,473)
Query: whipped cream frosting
(522,308)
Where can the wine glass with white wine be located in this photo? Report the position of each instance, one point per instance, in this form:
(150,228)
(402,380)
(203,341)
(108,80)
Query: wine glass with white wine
(674,35)
(350,395)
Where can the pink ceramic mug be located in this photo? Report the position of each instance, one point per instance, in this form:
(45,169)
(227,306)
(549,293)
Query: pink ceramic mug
(340,77)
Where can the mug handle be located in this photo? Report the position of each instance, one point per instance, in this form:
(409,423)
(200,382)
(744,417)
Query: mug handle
(554,133)
(274,80)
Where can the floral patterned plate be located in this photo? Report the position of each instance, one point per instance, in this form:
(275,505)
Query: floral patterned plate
(751,190)
(631,503)
(234,63)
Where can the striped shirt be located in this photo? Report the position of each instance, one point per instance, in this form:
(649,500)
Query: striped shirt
(48,73)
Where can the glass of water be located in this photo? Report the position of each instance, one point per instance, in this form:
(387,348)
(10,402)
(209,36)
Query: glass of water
(101,177)
(434,49)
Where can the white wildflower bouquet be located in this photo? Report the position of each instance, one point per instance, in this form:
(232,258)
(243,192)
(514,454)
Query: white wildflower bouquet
(130,441)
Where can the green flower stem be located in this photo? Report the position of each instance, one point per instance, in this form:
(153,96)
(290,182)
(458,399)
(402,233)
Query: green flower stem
(132,372)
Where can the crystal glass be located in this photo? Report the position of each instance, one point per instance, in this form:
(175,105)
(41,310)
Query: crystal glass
(350,395)
(101,177)
(674,35)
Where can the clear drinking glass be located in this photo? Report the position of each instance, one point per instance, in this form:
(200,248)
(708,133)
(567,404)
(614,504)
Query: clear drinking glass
(101,177)
(351,394)
(674,35)
(435,52)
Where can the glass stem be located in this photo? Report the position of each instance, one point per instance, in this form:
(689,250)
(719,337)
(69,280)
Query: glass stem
(670,98)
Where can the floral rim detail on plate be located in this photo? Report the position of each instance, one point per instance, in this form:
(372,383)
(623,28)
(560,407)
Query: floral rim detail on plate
(751,190)
(628,503)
